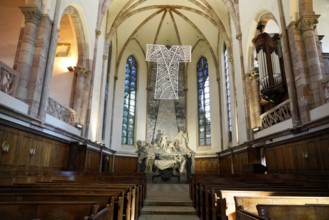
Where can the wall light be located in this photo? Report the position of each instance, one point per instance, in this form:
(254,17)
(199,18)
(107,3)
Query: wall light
(5,146)
(79,125)
(256,129)
(32,151)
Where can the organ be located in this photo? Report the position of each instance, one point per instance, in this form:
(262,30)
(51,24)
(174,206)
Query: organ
(272,80)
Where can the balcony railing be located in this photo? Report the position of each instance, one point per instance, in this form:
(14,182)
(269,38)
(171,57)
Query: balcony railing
(9,79)
(276,115)
(60,111)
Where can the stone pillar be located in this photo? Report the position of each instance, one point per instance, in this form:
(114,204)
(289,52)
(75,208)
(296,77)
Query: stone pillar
(245,104)
(24,65)
(100,125)
(290,78)
(39,66)
(89,86)
(81,73)
(306,25)
(252,90)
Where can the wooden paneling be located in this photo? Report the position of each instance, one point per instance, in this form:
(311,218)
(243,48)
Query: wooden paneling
(324,152)
(206,165)
(301,156)
(125,164)
(239,161)
(49,154)
(92,161)
(225,164)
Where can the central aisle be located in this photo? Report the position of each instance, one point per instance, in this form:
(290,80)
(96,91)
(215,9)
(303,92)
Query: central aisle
(168,202)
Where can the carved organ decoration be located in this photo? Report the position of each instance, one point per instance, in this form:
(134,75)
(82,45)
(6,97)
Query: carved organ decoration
(272,80)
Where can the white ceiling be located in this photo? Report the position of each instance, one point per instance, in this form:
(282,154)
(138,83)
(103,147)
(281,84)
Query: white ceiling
(167,22)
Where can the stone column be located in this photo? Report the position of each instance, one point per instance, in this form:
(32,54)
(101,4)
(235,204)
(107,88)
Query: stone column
(89,86)
(39,66)
(24,65)
(252,89)
(101,102)
(290,78)
(81,73)
(245,104)
(306,24)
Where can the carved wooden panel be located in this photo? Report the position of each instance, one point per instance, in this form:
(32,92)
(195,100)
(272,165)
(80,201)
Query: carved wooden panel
(92,161)
(225,164)
(206,165)
(125,164)
(302,156)
(239,161)
(324,152)
(49,154)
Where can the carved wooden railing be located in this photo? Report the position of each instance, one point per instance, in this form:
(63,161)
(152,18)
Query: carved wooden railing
(276,115)
(60,111)
(9,79)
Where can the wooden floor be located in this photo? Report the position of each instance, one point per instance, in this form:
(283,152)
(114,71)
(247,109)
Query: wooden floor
(168,202)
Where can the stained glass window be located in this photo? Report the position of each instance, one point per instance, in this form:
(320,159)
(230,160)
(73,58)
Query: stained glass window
(203,102)
(228,93)
(129,102)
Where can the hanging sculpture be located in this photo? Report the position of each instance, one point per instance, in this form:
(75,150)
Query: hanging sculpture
(166,85)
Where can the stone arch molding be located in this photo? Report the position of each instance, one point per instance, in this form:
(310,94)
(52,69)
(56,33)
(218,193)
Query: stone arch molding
(79,33)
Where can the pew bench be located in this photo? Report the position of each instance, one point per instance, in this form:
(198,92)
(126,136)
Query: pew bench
(50,210)
(281,207)
(288,212)
(117,198)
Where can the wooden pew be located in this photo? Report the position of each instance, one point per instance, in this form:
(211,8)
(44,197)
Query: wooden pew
(262,207)
(213,194)
(104,214)
(102,195)
(133,185)
(50,210)
(138,184)
(287,212)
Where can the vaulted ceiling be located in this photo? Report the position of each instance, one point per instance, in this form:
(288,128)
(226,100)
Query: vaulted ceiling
(168,22)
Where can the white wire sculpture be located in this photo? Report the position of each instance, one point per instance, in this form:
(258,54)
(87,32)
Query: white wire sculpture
(166,84)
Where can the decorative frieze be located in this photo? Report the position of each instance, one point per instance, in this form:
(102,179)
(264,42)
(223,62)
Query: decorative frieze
(32,14)
(325,90)
(60,111)
(8,79)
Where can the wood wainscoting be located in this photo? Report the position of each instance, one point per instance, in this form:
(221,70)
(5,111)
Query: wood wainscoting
(308,155)
(206,165)
(303,154)
(31,152)
(124,164)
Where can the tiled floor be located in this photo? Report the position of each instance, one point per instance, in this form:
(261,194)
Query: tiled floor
(168,202)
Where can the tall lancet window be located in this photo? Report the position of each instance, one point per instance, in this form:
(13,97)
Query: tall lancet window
(228,93)
(129,102)
(203,102)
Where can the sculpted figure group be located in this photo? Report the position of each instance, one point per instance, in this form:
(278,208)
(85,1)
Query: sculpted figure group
(163,153)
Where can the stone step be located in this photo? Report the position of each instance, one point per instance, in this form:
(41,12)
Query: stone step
(168,203)
(168,210)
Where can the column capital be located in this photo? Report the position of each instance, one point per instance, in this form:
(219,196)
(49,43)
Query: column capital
(98,33)
(307,22)
(32,14)
(238,36)
(252,75)
(78,69)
